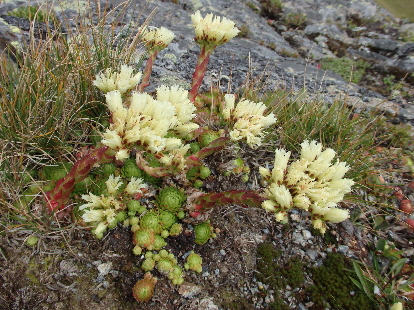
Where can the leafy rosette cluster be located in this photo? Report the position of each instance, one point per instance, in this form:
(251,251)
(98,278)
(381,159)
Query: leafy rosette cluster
(156,39)
(312,183)
(146,121)
(122,81)
(212,31)
(103,210)
(246,120)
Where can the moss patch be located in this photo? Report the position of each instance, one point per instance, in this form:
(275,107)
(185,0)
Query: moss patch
(333,287)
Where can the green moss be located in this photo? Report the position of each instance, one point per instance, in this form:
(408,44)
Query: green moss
(333,287)
(275,275)
(349,69)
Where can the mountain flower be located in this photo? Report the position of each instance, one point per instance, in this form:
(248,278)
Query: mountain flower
(311,183)
(156,39)
(123,81)
(212,31)
(246,120)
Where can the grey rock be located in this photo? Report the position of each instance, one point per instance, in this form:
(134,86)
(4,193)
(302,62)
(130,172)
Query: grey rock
(189,290)
(69,267)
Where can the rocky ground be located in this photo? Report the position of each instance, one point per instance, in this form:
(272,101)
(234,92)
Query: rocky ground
(69,269)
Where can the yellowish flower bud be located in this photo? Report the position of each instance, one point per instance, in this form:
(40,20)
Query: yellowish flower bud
(157,39)
(212,31)
(113,183)
(336,215)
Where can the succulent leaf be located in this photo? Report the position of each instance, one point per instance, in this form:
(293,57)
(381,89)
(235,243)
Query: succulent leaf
(144,289)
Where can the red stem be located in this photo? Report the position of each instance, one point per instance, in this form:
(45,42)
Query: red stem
(147,71)
(199,72)
(57,197)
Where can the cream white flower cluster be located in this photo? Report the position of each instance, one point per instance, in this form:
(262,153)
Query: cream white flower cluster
(246,120)
(212,31)
(103,209)
(157,39)
(184,108)
(311,183)
(122,81)
(146,121)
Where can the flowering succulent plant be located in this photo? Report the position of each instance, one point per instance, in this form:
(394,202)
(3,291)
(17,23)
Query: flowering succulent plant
(154,153)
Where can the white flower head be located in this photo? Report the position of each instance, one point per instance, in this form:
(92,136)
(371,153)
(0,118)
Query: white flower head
(320,225)
(123,81)
(94,201)
(112,139)
(281,195)
(93,215)
(265,173)
(135,186)
(105,81)
(157,39)
(336,215)
(122,154)
(113,183)
(246,120)
(269,205)
(212,31)
(126,79)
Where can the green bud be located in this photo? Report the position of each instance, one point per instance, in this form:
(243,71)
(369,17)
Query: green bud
(202,232)
(133,205)
(57,172)
(148,264)
(194,262)
(194,147)
(130,169)
(198,183)
(32,241)
(144,289)
(135,228)
(142,209)
(171,199)
(156,257)
(165,234)
(176,229)
(126,223)
(204,172)
(145,238)
(159,242)
(165,266)
(193,173)
(108,168)
(181,214)
(163,253)
(178,281)
(245,178)
(208,137)
(150,220)
(149,254)
(121,216)
(113,224)
(167,219)
(133,220)
(131,213)
(137,250)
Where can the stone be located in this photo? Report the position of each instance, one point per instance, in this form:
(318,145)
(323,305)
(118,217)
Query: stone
(189,290)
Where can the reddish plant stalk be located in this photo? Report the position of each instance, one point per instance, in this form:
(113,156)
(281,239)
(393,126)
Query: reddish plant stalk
(199,72)
(147,71)
(57,197)
(239,197)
